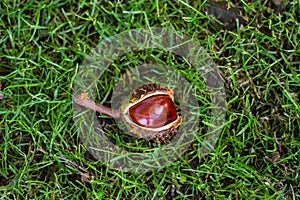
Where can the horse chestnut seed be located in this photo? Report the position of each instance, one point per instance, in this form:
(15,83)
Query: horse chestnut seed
(153,112)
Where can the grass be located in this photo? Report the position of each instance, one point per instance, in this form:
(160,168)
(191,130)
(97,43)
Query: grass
(42,45)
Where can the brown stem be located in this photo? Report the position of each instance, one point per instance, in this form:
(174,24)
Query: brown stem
(83,100)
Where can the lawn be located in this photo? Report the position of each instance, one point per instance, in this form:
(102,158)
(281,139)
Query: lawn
(255,46)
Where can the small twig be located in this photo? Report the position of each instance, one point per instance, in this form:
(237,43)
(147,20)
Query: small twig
(83,100)
(85,175)
(41,150)
(69,162)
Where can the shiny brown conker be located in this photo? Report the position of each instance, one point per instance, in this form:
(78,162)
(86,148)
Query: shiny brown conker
(153,112)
